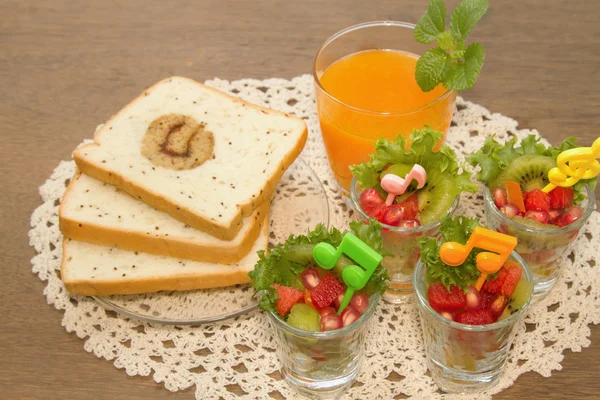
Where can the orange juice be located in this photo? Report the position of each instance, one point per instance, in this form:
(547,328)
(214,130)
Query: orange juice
(373,94)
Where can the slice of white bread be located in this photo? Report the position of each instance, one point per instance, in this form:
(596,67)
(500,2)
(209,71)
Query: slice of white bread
(99,213)
(91,270)
(252,148)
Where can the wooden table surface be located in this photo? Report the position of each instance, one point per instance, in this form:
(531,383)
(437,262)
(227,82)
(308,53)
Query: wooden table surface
(67,66)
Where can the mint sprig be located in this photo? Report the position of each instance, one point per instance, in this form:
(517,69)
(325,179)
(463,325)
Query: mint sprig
(452,63)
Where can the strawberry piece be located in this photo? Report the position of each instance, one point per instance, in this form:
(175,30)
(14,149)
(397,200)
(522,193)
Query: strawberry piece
(326,292)
(288,296)
(440,300)
(561,197)
(494,285)
(536,200)
(513,274)
(475,317)
(487,299)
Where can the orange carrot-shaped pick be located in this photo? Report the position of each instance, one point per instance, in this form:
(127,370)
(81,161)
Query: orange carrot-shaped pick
(513,192)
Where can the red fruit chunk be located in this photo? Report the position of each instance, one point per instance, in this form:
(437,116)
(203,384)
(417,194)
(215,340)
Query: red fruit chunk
(473,299)
(447,315)
(369,199)
(540,216)
(487,298)
(500,199)
(494,285)
(536,200)
(338,301)
(440,300)
(409,223)
(378,212)
(510,210)
(331,322)
(288,296)
(555,215)
(326,291)
(393,215)
(326,311)
(360,302)
(310,278)
(475,317)
(349,315)
(561,197)
(497,307)
(411,207)
(571,215)
(513,274)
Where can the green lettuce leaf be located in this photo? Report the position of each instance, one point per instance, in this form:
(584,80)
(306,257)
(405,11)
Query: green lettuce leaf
(494,157)
(418,151)
(453,229)
(285,262)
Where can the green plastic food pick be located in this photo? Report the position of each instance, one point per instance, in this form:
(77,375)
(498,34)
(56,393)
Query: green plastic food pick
(355,276)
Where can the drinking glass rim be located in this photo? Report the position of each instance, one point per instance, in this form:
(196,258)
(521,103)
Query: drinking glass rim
(362,110)
(330,334)
(423,302)
(586,213)
(391,228)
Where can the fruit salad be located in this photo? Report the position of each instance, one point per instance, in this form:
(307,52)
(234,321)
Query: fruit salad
(415,212)
(545,224)
(467,332)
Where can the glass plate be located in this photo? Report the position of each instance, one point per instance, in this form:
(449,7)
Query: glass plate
(299,203)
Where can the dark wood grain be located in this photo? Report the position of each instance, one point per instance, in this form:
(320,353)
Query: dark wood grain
(66,66)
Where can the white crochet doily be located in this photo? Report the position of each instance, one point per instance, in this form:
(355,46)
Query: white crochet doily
(222,358)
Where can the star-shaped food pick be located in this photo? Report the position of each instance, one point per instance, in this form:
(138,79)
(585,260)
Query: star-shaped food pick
(573,165)
(454,254)
(355,276)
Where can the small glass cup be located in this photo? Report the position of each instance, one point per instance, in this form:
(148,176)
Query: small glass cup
(542,249)
(322,364)
(349,133)
(403,244)
(465,358)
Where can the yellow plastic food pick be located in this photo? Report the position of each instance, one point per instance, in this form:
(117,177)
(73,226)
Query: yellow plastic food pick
(454,253)
(573,165)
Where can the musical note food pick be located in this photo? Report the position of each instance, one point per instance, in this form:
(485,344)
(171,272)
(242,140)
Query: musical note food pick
(573,165)
(395,185)
(499,245)
(355,276)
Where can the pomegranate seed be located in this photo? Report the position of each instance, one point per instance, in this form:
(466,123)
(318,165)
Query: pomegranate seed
(540,216)
(447,315)
(369,200)
(393,215)
(510,211)
(570,215)
(349,315)
(338,301)
(360,302)
(500,199)
(498,305)
(409,223)
(331,322)
(473,299)
(310,278)
(554,215)
(326,311)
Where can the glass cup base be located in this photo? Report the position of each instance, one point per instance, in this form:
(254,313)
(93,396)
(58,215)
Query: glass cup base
(319,389)
(456,381)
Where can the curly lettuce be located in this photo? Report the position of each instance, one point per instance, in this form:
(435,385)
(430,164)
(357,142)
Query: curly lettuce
(285,262)
(494,157)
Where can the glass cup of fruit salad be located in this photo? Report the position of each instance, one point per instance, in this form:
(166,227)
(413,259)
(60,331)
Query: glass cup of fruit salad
(320,346)
(545,224)
(468,332)
(414,213)
(365,88)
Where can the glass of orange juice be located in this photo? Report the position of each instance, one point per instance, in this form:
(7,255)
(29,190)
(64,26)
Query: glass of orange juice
(366,89)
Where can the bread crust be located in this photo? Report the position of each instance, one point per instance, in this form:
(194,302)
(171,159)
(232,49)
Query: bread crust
(183,214)
(170,246)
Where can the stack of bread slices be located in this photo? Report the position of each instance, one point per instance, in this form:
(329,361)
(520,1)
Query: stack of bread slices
(174,192)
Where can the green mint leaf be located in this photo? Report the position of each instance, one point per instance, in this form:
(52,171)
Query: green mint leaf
(463,74)
(445,40)
(459,50)
(465,16)
(431,23)
(432,68)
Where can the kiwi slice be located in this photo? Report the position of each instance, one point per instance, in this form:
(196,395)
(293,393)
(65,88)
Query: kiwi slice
(401,170)
(436,197)
(530,171)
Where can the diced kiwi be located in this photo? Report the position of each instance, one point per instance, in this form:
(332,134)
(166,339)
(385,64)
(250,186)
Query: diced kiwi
(303,316)
(521,294)
(530,171)
(436,197)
